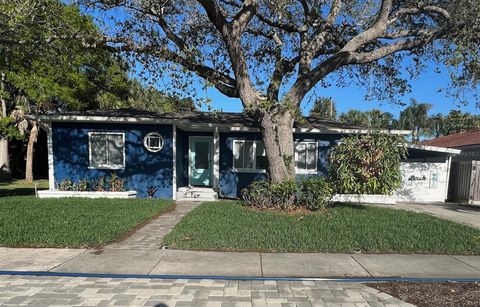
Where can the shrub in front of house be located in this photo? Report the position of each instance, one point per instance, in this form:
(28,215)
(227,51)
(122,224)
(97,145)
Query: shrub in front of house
(110,184)
(308,193)
(314,193)
(367,164)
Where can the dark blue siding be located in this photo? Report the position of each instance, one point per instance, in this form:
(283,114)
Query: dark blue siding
(231,183)
(142,168)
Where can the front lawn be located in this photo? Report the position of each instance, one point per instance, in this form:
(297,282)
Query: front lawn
(72,222)
(231,227)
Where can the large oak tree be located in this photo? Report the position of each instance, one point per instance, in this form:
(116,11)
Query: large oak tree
(271,54)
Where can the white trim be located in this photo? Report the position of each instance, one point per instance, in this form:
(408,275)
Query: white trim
(174,158)
(86,194)
(247,170)
(190,138)
(199,126)
(216,158)
(306,171)
(51,168)
(146,141)
(113,167)
(435,148)
(365,199)
(350,131)
(447,181)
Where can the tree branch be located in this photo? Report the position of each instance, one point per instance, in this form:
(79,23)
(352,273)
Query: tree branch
(224,83)
(232,39)
(375,31)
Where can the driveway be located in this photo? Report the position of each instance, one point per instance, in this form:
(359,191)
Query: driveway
(463,214)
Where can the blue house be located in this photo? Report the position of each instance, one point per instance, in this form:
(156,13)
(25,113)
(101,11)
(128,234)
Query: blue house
(184,155)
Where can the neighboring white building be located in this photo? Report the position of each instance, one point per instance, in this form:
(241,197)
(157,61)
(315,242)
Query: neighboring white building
(425,173)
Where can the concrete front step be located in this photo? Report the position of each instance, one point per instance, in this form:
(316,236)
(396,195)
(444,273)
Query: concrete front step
(196,194)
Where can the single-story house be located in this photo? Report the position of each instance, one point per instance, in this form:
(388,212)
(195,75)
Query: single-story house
(465,171)
(201,155)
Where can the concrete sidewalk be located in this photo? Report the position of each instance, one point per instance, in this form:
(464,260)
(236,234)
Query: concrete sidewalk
(464,214)
(175,262)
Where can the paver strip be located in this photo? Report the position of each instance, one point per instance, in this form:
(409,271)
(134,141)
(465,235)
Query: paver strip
(151,235)
(88,291)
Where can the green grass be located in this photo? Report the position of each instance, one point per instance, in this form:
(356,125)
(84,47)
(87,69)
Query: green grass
(20,187)
(71,222)
(232,227)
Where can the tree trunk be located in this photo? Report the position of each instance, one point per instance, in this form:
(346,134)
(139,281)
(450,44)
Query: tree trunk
(30,147)
(276,128)
(5,173)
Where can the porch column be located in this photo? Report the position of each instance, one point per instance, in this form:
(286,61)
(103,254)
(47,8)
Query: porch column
(447,183)
(174,158)
(51,175)
(216,158)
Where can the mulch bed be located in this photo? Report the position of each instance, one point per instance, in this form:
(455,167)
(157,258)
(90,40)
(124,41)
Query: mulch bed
(432,294)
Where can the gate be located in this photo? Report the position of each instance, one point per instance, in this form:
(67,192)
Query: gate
(465,182)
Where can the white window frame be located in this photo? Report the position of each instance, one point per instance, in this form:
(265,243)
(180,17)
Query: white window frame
(146,141)
(104,166)
(247,170)
(306,171)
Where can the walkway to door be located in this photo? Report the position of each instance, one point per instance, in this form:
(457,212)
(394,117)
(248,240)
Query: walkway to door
(151,235)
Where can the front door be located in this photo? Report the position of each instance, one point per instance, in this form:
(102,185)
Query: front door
(201,149)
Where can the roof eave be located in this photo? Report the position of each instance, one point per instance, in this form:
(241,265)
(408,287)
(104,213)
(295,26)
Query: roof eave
(451,151)
(228,127)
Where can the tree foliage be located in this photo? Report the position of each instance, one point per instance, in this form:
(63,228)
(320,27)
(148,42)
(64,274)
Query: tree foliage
(415,119)
(271,54)
(354,117)
(47,69)
(368,164)
(324,108)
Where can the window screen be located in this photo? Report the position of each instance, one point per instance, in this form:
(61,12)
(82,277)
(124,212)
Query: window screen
(107,150)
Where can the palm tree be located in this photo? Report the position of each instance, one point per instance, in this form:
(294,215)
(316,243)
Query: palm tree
(354,117)
(379,119)
(415,118)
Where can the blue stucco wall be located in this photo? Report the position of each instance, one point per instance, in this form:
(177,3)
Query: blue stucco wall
(142,168)
(231,183)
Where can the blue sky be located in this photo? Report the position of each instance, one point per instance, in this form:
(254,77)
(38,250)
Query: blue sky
(424,89)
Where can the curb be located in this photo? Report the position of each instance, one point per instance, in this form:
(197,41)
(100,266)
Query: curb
(330,279)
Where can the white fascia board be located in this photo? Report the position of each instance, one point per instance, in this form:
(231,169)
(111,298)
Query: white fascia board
(435,148)
(195,126)
(350,131)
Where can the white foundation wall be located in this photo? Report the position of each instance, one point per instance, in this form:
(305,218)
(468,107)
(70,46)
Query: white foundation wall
(423,181)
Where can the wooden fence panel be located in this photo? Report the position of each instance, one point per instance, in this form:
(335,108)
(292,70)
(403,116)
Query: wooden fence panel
(475,183)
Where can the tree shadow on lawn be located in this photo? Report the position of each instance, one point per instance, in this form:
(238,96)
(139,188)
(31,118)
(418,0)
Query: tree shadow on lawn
(17,192)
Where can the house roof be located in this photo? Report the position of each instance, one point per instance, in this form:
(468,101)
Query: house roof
(456,140)
(436,149)
(223,120)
